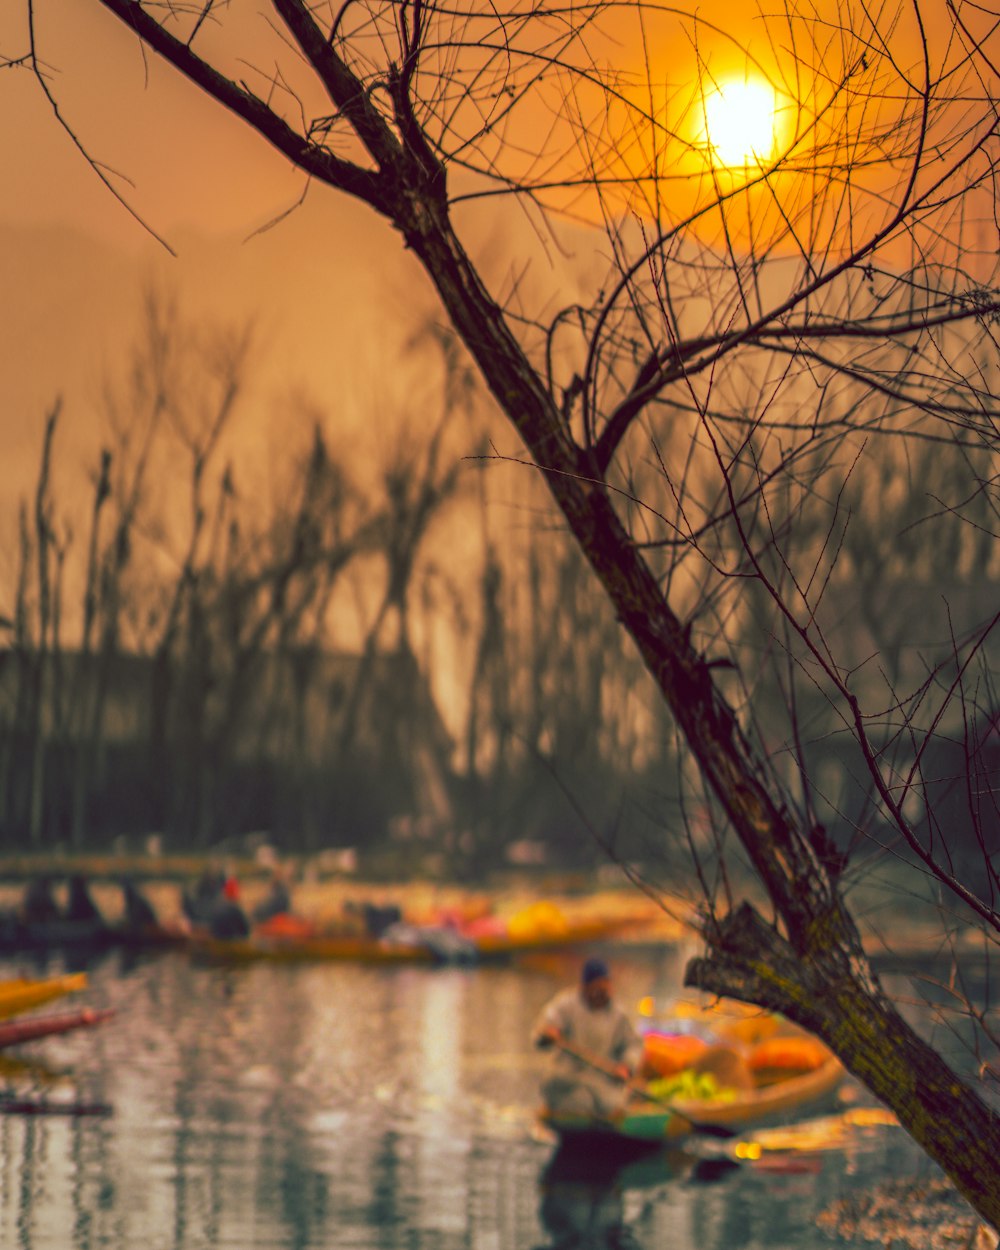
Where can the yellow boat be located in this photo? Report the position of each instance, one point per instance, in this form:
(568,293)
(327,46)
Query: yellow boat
(570,933)
(24,993)
(651,1124)
(830,1132)
(318,948)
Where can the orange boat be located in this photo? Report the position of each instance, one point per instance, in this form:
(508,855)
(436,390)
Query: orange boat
(572,932)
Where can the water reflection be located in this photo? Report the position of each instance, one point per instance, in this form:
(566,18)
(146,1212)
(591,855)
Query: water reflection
(583,1197)
(585,1216)
(583,1194)
(288,1108)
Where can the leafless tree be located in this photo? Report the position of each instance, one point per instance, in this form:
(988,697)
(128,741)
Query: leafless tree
(419,481)
(35,650)
(759,329)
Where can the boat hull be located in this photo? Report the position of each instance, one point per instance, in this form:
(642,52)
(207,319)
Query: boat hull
(18,937)
(16,1032)
(303,950)
(646,1125)
(25,993)
(572,933)
(431,949)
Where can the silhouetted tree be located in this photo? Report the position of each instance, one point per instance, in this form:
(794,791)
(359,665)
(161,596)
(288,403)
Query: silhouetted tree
(757,320)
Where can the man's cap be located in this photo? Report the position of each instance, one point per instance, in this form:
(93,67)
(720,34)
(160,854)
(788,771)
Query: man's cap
(594,970)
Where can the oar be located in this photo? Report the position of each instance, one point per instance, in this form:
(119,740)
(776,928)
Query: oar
(591,1060)
(10,1104)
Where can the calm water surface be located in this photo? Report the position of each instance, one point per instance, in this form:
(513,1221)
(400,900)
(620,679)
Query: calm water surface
(340,1106)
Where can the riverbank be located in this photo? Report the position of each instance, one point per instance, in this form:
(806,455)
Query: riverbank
(909,1214)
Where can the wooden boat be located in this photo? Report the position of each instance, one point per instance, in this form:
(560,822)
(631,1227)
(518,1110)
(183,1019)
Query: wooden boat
(305,949)
(572,932)
(21,994)
(17,936)
(650,1124)
(154,935)
(16,1032)
(405,943)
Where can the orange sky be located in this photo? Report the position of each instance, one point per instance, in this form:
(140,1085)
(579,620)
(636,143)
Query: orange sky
(73,260)
(195,168)
(190,162)
(328,288)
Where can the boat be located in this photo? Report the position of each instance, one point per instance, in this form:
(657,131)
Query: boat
(16,1032)
(17,936)
(653,1124)
(304,949)
(778,1091)
(39,922)
(537,929)
(427,947)
(20,994)
(572,932)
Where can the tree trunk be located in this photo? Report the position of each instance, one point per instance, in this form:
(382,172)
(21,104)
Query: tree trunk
(817,974)
(831,991)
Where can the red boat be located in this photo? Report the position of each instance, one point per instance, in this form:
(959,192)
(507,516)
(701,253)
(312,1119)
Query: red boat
(14,1032)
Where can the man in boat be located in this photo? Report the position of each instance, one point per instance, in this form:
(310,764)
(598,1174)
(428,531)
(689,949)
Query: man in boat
(80,906)
(226,917)
(278,899)
(139,914)
(38,905)
(213,905)
(597,1050)
(197,902)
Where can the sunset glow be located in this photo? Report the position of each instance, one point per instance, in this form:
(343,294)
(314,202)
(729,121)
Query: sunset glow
(740,122)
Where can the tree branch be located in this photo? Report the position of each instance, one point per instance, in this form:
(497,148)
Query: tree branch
(310,157)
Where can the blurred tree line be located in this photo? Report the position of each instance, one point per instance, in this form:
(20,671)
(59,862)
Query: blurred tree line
(201,658)
(190,657)
(180,658)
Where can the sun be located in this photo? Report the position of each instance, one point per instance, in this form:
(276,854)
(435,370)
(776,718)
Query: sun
(740,122)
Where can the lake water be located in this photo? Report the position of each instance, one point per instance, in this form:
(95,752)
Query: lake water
(275,1107)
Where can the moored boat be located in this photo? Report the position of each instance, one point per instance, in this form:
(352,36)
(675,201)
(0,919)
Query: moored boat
(303,949)
(572,932)
(16,1032)
(413,943)
(21,994)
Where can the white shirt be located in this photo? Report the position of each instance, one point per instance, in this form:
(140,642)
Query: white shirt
(605,1032)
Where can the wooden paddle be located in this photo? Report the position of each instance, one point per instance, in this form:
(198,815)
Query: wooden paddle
(32,1106)
(591,1060)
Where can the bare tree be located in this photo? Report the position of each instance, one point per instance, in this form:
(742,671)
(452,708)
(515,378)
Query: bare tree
(88,730)
(419,480)
(760,317)
(34,658)
(557,718)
